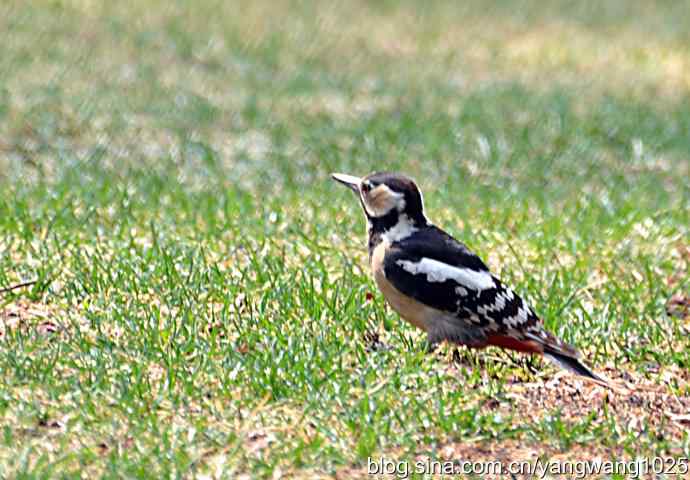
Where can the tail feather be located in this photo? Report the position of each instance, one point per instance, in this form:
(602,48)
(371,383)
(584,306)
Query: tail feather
(572,364)
(563,355)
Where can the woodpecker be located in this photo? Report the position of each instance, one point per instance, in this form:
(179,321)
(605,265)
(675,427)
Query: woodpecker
(437,284)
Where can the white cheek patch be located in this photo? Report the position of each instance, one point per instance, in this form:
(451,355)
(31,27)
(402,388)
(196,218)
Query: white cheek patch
(370,211)
(436,271)
(382,200)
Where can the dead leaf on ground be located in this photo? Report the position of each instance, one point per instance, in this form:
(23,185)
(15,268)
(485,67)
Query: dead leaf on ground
(258,440)
(47,328)
(104,448)
(217,328)
(52,424)
(684,420)
(128,443)
(678,306)
(24,315)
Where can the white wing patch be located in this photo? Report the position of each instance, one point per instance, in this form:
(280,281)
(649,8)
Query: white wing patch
(436,271)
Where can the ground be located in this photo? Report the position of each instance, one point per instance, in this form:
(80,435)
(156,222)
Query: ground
(200,304)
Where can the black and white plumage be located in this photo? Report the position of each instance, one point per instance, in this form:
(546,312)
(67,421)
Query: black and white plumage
(436,283)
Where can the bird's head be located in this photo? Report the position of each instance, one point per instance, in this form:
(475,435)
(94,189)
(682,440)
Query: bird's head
(386,196)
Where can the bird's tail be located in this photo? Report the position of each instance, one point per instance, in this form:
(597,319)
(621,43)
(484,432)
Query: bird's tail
(572,364)
(565,356)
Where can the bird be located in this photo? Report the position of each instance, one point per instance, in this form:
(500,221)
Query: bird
(437,284)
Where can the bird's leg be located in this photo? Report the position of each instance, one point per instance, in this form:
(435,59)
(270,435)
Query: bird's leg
(525,362)
(430,347)
(456,355)
(463,355)
(530,365)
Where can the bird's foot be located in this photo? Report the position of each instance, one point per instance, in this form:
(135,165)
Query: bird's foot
(373,342)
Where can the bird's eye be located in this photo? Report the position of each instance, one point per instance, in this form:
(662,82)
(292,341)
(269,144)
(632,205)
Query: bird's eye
(366,187)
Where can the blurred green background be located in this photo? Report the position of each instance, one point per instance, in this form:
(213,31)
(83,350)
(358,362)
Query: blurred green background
(202,304)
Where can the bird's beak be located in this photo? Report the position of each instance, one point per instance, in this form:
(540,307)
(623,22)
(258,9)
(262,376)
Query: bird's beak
(348,180)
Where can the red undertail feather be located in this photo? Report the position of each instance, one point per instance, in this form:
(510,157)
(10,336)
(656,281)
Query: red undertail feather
(511,343)
(560,353)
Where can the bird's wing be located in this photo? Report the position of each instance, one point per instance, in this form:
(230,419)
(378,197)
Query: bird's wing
(440,272)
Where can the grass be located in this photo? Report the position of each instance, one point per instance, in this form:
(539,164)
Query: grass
(202,304)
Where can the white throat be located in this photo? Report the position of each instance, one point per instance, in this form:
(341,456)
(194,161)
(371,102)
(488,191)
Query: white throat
(401,230)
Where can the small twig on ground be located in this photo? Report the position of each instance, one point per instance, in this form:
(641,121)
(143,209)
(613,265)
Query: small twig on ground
(17,286)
